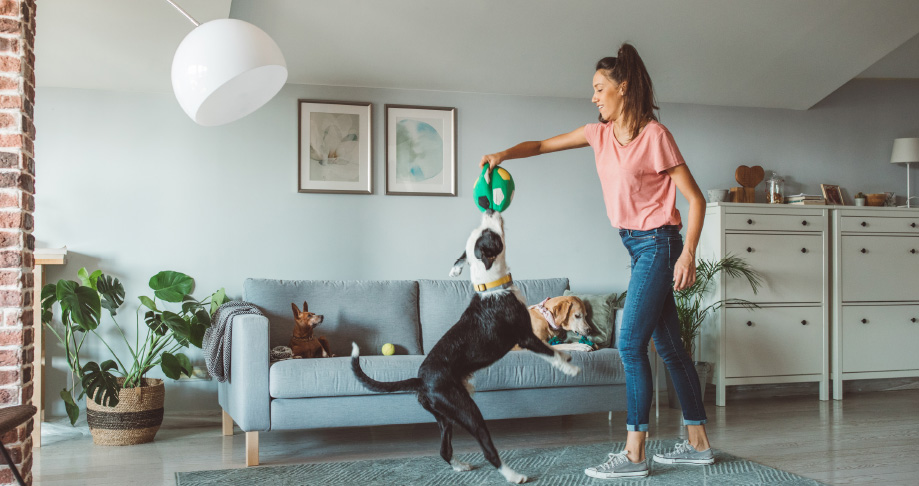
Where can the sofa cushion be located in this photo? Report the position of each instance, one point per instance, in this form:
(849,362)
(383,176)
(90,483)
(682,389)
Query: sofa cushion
(332,377)
(442,302)
(370,313)
(524,369)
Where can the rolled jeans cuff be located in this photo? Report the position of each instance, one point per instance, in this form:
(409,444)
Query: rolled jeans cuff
(636,428)
(694,422)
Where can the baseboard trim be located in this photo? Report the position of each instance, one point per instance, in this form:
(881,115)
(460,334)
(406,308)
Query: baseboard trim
(747,392)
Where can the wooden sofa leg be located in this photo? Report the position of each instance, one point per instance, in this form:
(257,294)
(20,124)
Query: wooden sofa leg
(227,423)
(251,448)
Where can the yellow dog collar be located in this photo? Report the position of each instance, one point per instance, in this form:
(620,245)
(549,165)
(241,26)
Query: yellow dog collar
(503,281)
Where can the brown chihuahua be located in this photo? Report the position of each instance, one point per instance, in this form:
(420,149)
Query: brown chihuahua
(302,343)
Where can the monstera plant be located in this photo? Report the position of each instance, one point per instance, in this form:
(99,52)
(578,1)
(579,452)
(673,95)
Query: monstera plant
(88,306)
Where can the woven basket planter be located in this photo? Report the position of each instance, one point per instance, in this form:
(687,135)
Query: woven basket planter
(136,418)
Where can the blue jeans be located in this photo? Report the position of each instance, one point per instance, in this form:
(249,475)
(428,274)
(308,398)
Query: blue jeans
(650,311)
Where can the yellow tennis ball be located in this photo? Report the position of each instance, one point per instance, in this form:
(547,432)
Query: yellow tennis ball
(389,349)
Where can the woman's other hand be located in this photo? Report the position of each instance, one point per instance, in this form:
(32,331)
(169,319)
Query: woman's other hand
(684,272)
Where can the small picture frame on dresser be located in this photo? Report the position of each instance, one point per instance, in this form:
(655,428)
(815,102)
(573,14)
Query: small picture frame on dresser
(832,194)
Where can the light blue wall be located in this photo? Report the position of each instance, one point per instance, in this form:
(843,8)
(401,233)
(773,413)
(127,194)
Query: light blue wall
(132,186)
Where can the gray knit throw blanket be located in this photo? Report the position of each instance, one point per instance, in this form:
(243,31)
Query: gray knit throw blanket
(217,338)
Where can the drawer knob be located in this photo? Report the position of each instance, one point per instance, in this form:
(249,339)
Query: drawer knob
(864,321)
(803,250)
(864,223)
(804,323)
(912,320)
(913,251)
(749,323)
(912,225)
(749,221)
(804,223)
(864,250)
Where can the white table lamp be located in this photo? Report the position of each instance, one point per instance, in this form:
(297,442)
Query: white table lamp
(225,69)
(906,151)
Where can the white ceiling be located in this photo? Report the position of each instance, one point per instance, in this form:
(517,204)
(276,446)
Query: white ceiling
(759,53)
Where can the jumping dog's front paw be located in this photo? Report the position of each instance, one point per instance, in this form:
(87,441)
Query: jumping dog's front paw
(571,370)
(563,363)
(456,271)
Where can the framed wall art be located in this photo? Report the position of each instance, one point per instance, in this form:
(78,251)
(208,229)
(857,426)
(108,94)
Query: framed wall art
(832,194)
(334,147)
(420,150)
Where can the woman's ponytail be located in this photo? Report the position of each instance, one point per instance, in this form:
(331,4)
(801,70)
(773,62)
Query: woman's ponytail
(638,103)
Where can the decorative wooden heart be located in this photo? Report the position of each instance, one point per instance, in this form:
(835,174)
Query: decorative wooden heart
(749,176)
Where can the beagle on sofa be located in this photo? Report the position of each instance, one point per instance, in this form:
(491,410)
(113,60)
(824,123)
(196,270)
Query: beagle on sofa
(557,315)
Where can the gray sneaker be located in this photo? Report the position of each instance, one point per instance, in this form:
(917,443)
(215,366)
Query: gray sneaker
(618,466)
(685,453)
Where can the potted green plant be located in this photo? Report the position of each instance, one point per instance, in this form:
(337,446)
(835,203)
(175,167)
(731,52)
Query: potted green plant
(123,406)
(693,307)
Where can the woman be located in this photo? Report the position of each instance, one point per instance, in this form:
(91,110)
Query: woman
(640,169)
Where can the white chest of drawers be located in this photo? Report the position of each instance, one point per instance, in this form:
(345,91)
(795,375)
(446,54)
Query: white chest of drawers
(875,325)
(786,339)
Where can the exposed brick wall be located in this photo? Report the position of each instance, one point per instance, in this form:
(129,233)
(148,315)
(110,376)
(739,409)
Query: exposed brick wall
(17,203)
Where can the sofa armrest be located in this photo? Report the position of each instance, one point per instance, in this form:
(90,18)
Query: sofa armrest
(245,395)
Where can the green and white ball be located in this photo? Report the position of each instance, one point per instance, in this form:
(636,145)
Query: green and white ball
(497,195)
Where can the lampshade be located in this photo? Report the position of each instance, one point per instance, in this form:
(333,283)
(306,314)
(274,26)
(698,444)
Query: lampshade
(905,150)
(225,69)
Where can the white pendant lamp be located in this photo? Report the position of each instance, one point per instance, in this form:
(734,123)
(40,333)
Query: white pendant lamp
(225,69)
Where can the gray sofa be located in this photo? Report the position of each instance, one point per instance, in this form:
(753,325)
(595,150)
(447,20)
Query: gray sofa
(413,315)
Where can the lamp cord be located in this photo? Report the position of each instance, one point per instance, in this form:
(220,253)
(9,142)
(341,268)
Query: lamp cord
(189,17)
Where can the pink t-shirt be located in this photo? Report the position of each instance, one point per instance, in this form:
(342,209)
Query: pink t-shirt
(639,194)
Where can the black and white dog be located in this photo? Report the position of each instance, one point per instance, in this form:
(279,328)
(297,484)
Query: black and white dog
(495,321)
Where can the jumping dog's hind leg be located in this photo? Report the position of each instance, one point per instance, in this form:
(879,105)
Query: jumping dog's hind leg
(446,439)
(446,446)
(456,404)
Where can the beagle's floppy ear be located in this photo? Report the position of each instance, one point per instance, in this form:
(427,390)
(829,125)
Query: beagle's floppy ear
(458,265)
(296,311)
(562,311)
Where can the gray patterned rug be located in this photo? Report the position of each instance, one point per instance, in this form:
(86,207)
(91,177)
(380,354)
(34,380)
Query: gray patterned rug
(557,466)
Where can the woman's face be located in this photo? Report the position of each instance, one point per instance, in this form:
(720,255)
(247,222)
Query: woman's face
(607,97)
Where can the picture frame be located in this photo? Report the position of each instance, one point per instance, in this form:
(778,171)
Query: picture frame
(420,150)
(832,194)
(335,147)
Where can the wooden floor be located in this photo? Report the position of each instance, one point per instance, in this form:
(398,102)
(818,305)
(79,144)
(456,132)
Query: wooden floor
(867,438)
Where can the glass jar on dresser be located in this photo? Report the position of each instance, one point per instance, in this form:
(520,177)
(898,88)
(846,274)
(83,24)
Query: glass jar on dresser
(785,339)
(875,325)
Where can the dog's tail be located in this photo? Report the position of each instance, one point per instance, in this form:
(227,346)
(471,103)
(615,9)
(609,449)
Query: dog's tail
(411,384)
